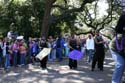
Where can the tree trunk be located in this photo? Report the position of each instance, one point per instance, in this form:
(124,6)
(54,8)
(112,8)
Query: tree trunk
(46,19)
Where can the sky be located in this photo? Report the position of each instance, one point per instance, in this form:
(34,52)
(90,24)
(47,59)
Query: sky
(103,6)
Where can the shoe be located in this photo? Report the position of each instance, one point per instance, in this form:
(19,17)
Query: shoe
(123,81)
(6,69)
(74,67)
(22,64)
(101,69)
(59,60)
(50,60)
(1,68)
(45,71)
(19,65)
(70,67)
(92,69)
(44,68)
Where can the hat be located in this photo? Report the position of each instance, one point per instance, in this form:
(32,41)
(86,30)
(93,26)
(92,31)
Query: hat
(20,37)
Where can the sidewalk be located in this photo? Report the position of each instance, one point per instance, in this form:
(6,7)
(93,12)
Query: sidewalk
(59,72)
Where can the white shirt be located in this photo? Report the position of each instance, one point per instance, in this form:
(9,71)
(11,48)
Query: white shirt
(4,49)
(90,44)
(9,35)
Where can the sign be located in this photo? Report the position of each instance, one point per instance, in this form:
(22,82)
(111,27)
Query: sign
(43,53)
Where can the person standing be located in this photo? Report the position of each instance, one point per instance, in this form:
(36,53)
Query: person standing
(73,46)
(15,49)
(53,51)
(50,45)
(90,45)
(43,44)
(83,45)
(23,52)
(30,48)
(60,46)
(9,35)
(66,47)
(99,52)
(6,54)
(117,48)
(35,48)
(1,51)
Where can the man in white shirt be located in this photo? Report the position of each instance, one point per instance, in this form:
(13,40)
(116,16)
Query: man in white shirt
(9,35)
(90,47)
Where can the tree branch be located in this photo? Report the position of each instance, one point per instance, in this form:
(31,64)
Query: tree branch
(67,13)
(60,7)
(9,4)
(85,21)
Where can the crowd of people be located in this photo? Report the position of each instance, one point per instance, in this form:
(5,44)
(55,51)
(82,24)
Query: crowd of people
(16,51)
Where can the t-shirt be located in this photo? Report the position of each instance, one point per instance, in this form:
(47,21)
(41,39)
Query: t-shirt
(9,35)
(90,44)
(101,45)
(73,44)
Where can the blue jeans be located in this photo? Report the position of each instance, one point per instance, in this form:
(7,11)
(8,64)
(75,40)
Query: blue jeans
(7,61)
(90,54)
(22,59)
(53,54)
(49,57)
(66,51)
(83,50)
(119,67)
(0,61)
(59,52)
(29,52)
(15,58)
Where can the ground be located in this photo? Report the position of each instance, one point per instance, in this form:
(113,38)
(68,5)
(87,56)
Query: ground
(59,72)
